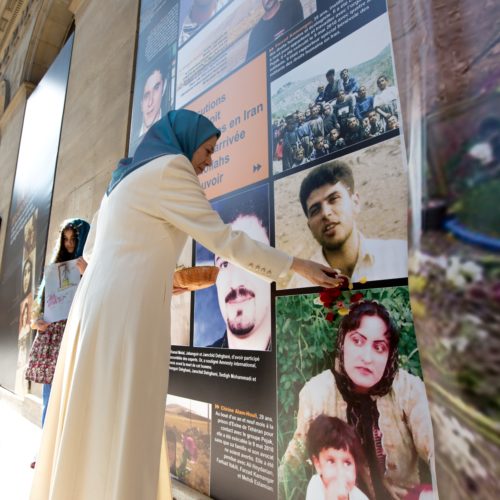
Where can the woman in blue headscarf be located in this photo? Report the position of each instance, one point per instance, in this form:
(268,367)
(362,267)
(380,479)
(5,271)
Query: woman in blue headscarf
(103,432)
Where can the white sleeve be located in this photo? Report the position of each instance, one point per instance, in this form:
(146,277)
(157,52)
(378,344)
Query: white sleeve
(89,244)
(183,203)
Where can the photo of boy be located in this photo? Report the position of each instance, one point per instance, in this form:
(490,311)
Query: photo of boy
(336,453)
(366,373)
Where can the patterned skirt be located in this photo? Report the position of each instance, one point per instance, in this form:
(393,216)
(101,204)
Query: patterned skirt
(44,351)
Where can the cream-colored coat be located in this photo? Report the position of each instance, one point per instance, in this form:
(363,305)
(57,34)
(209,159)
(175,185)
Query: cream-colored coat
(103,433)
(404,420)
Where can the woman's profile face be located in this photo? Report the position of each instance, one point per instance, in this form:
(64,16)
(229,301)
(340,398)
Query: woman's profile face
(366,350)
(202,157)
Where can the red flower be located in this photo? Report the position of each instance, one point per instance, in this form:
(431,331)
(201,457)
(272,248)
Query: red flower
(356,297)
(325,298)
(328,295)
(330,317)
(345,281)
(340,304)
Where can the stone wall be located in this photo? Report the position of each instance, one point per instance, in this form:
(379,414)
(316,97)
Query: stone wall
(96,116)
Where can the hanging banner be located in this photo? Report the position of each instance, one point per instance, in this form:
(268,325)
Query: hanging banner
(287,390)
(28,222)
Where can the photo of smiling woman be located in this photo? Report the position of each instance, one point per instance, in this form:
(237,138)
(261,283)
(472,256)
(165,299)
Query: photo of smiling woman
(366,387)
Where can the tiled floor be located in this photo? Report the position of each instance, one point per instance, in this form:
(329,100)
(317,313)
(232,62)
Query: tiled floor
(19,440)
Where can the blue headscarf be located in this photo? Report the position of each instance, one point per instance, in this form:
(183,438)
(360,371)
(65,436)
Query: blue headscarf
(82,228)
(179,132)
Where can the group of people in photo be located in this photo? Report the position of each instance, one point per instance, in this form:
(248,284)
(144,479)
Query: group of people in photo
(342,114)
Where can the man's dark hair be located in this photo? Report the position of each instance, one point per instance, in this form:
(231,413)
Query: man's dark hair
(254,201)
(329,173)
(147,74)
(250,202)
(330,72)
(382,76)
(331,432)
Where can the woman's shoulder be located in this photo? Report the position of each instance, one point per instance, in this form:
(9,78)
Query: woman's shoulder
(406,380)
(407,388)
(167,160)
(323,381)
(175,167)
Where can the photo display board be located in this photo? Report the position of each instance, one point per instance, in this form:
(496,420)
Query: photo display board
(287,390)
(29,215)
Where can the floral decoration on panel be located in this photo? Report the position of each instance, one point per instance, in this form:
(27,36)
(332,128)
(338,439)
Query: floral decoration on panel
(332,299)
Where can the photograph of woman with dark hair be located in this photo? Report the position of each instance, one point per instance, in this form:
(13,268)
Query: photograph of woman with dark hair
(111,380)
(386,405)
(27,276)
(30,235)
(24,318)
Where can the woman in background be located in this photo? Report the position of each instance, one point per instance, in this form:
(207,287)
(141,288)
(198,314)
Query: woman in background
(69,246)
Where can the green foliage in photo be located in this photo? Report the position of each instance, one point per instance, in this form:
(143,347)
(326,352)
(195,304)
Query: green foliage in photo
(305,343)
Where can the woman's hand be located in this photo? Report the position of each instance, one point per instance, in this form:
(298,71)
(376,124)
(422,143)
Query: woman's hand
(318,274)
(81,264)
(40,325)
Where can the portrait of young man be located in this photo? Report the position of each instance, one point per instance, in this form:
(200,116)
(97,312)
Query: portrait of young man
(278,17)
(151,100)
(244,298)
(152,95)
(353,215)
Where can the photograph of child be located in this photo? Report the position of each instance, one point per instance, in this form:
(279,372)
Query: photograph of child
(363,368)
(337,456)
